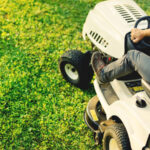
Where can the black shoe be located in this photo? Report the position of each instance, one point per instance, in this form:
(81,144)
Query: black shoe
(97,64)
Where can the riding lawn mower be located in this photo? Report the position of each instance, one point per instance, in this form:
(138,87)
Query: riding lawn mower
(119,114)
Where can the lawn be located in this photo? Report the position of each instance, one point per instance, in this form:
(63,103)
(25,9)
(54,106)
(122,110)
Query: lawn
(38,108)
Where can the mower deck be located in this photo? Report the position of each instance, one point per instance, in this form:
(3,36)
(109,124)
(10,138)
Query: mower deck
(94,114)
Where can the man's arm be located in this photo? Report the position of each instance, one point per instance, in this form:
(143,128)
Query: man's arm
(138,34)
(147,32)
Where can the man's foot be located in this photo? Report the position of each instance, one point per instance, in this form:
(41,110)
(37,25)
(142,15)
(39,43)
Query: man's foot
(97,63)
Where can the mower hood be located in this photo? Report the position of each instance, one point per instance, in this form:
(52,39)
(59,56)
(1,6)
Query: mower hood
(108,23)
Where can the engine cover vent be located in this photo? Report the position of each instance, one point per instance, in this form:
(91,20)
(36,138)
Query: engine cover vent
(99,39)
(136,14)
(124,13)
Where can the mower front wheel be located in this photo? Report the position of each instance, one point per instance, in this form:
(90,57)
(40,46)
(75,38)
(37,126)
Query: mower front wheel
(75,68)
(116,138)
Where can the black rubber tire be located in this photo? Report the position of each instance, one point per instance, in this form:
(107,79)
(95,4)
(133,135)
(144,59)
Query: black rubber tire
(81,63)
(98,138)
(118,132)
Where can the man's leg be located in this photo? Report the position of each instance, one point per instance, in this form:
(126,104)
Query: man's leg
(132,61)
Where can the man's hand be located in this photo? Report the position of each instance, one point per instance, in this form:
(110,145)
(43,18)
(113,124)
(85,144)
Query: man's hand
(137,35)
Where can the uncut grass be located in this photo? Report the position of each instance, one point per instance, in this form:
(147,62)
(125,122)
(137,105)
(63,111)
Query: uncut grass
(38,108)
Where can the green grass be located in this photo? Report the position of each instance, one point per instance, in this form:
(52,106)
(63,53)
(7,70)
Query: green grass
(38,108)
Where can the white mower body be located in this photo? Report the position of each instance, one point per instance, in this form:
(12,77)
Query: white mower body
(136,120)
(107,24)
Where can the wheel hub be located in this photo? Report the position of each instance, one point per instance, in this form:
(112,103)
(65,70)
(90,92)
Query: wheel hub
(71,71)
(113,144)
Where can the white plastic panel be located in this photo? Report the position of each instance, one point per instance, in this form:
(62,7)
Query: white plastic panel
(111,20)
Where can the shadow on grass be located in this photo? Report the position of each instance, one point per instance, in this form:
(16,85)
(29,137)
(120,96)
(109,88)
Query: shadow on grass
(89,90)
(7,46)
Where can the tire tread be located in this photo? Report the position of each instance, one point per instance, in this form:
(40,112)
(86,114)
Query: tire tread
(121,134)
